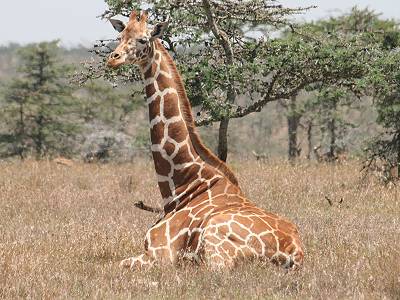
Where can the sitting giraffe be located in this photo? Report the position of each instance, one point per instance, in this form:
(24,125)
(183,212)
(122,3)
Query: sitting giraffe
(206,216)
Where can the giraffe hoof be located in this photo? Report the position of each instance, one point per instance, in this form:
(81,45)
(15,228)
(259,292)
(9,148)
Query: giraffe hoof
(126,263)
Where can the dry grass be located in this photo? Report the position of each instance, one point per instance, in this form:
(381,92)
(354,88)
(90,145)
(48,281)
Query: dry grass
(63,231)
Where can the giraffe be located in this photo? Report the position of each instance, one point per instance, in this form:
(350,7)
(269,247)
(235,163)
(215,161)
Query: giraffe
(207,219)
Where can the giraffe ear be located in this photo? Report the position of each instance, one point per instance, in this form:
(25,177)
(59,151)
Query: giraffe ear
(117,24)
(158,30)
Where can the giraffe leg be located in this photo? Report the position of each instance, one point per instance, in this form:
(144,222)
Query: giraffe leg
(218,251)
(138,262)
(216,258)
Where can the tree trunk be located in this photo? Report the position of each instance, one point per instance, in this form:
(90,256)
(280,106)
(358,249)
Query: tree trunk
(223,40)
(21,132)
(293,120)
(309,139)
(40,142)
(398,155)
(293,124)
(39,137)
(223,140)
(332,133)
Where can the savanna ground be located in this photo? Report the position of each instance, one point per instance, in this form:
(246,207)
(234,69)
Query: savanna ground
(63,231)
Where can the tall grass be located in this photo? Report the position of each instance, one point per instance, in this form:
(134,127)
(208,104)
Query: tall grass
(63,231)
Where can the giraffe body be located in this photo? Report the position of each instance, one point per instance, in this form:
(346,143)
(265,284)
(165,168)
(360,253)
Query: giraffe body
(220,228)
(207,218)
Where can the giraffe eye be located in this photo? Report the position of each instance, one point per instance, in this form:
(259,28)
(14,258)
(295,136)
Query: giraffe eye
(142,41)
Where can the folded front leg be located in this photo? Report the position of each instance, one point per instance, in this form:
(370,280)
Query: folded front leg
(138,262)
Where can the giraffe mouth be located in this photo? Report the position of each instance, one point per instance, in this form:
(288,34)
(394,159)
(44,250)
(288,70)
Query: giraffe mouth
(115,63)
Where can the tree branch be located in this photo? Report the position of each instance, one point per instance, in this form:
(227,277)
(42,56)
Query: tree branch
(141,205)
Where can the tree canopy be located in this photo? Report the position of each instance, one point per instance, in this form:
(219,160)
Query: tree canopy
(235,59)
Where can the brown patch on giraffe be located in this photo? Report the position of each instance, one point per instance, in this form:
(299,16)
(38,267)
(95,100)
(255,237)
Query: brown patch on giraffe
(239,230)
(216,193)
(164,82)
(193,241)
(207,172)
(165,189)
(211,238)
(246,222)
(284,240)
(198,192)
(218,200)
(169,148)
(175,131)
(150,89)
(221,201)
(157,133)
(259,225)
(273,222)
(149,74)
(177,243)
(286,226)
(246,212)
(182,189)
(270,244)
(232,190)
(198,207)
(171,107)
(181,218)
(289,249)
(185,175)
(229,248)
(254,243)
(229,210)
(223,229)
(154,108)
(162,166)
(204,211)
(157,236)
(182,155)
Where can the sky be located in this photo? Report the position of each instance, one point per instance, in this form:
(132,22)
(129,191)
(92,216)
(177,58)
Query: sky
(75,21)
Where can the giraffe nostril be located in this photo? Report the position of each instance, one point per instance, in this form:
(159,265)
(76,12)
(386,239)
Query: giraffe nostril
(115,55)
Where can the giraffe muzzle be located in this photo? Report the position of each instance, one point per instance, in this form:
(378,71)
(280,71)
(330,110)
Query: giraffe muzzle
(115,60)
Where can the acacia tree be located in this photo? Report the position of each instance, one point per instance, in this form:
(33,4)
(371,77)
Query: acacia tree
(220,59)
(323,109)
(385,82)
(36,103)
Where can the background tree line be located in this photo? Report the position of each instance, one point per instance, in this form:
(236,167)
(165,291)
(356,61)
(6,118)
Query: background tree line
(332,85)
(44,115)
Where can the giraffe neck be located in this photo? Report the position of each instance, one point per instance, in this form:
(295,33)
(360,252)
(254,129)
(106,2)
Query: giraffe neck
(181,161)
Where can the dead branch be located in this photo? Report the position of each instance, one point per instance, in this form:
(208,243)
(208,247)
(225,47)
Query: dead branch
(329,200)
(141,205)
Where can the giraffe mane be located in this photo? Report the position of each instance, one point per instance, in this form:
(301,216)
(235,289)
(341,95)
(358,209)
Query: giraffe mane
(186,110)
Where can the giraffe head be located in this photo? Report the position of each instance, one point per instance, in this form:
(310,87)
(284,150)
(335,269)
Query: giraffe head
(135,46)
